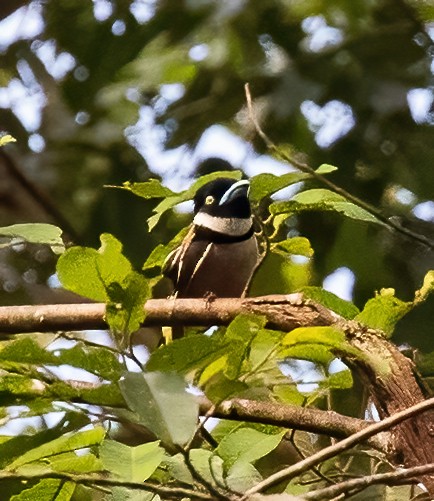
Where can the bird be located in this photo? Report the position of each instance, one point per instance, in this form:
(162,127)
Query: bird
(219,254)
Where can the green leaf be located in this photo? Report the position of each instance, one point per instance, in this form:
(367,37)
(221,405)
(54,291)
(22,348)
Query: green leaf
(107,275)
(341,380)
(289,394)
(7,138)
(296,245)
(208,465)
(247,445)
(71,463)
(326,169)
(332,302)
(265,184)
(317,344)
(47,489)
(36,233)
(89,272)
(133,464)
(240,332)
(96,360)
(72,442)
(169,202)
(24,386)
(125,312)
(149,189)
(384,311)
(426,289)
(242,476)
(187,354)
(323,200)
(287,275)
(162,404)
(26,351)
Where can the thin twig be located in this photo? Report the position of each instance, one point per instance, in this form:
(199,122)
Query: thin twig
(332,186)
(390,478)
(93,480)
(334,450)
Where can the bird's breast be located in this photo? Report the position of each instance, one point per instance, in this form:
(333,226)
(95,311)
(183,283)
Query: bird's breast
(225,269)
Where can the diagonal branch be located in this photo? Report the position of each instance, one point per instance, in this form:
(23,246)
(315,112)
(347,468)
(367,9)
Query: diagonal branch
(357,484)
(323,180)
(342,446)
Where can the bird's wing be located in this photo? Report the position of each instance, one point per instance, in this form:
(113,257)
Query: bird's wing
(174,265)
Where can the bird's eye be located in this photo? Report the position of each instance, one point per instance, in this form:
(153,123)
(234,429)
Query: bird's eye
(209,200)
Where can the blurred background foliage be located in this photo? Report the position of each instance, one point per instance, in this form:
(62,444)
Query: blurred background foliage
(101,92)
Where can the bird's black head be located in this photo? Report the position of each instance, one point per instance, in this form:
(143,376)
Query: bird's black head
(223,197)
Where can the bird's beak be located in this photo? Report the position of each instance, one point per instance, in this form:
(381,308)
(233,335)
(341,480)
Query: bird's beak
(238,189)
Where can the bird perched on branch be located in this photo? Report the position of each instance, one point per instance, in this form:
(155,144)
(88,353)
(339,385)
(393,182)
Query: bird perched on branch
(220,253)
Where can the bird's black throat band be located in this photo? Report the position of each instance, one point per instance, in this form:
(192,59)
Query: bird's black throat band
(202,233)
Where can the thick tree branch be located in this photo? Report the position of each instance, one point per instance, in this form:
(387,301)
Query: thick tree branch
(291,416)
(284,312)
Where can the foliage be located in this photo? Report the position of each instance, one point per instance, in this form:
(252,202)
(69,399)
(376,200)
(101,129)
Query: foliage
(245,360)
(131,91)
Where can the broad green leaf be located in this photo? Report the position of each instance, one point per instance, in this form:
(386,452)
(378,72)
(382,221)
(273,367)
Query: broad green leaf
(106,275)
(125,312)
(169,202)
(16,446)
(317,344)
(205,462)
(289,394)
(71,442)
(265,184)
(242,476)
(323,200)
(187,354)
(384,311)
(208,465)
(149,189)
(278,274)
(89,272)
(332,302)
(46,490)
(240,333)
(222,388)
(16,384)
(247,445)
(296,245)
(36,233)
(72,463)
(26,351)
(162,404)
(133,464)
(178,469)
(7,138)
(338,381)
(97,360)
